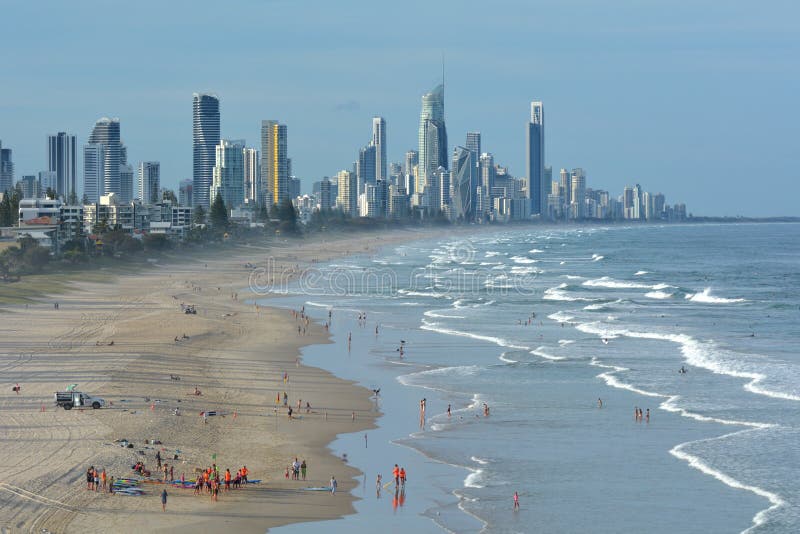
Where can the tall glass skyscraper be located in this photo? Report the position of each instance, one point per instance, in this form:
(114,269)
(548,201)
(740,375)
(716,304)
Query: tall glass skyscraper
(6,169)
(463,184)
(379,142)
(432,137)
(537,188)
(229,173)
(149,186)
(366,168)
(93,171)
(62,159)
(205,138)
(106,133)
(274,186)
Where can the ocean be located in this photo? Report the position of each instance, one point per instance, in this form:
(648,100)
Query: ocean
(540,324)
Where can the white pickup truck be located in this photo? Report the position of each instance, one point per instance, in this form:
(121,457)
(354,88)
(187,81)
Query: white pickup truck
(76,399)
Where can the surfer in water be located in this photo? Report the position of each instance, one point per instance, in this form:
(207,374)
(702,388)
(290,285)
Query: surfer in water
(682,370)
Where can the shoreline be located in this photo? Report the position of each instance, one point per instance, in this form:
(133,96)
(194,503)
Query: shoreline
(222,355)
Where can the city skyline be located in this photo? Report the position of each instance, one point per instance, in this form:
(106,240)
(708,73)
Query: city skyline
(619,122)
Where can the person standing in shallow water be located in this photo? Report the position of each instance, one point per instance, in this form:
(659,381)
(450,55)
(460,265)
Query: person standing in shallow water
(516,501)
(164,500)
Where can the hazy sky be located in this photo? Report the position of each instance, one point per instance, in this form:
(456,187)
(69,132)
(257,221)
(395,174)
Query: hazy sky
(696,99)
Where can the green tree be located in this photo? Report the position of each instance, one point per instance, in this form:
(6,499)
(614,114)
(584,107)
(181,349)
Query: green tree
(50,193)
(199,216)
(156,242)
(288,216)
(263,214)
(218,215)
(73,198)
(9,208)
(169,194)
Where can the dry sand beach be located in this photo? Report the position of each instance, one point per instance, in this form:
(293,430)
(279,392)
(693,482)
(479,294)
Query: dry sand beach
(234,353)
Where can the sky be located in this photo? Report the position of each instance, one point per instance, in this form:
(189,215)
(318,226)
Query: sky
(695,99)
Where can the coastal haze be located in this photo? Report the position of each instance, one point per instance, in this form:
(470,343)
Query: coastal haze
(541,256)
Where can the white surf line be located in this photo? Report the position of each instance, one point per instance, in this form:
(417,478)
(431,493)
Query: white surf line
(693,461)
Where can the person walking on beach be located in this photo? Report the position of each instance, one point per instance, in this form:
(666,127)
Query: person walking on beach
(647,417)
(403,477)
(164,500)
(396,475)
(303,468)
(448,410)
(334,484)
(599,402)
(516,501)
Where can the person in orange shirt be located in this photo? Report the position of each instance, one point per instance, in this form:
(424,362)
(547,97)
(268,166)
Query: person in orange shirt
(227,480)
(403,476)
(244,474)
(396,475)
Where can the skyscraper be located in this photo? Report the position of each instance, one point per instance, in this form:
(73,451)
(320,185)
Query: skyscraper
(412,165)
(62,159)
(366,168)
(379,142)
(537,186)
(347,196)
(6,169)
(93,171)
(578,194)
(564,187)
(205,138)
(149,182)
(325,200)
(432,151)
(185,193)
(463,184)
(30,186)
(125,183)
(274,183)
(106,132)
(251,174)
(228,174)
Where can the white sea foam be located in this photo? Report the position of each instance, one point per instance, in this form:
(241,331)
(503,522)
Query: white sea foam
(595,307)
(560,317)
(760,518)
(479,460)
(535,251)
(518,269)
(572,277)
(318,304)
(438,315)
(706,297)
(474,479)
(558,293)
(434,327)
(640,273)
(615,284)
(504,358)
(703,354)
(661,295)
(597,257)
(412,293)
(522,259)
(539,351)
(563,342)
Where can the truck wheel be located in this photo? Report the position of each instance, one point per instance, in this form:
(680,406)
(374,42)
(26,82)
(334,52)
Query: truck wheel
(95,405)
(67,406)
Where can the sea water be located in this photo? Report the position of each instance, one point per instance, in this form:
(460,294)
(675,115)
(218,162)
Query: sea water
(539,324)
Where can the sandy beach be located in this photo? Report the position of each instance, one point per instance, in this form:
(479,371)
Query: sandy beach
(118,341)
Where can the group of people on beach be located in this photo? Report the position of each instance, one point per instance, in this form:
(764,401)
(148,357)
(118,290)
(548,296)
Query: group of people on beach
(96,479)
(297,470)
(639,416)
(212,480)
